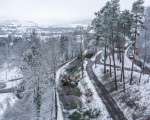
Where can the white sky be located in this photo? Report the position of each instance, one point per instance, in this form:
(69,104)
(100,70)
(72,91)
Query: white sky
(54,11)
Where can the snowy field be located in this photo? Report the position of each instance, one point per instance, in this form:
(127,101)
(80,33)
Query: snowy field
(8,74)
(8,99)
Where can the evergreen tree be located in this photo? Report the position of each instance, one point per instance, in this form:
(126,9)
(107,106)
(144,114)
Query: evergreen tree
(138,14)
(125,28)
(115,12)
(64,46)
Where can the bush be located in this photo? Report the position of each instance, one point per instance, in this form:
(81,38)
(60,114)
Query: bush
(75,116)
(87,115)
(71,69)
(90,55)
(91,113)
(2,85)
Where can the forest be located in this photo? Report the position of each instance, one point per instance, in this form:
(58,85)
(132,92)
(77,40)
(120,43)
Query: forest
(98,72)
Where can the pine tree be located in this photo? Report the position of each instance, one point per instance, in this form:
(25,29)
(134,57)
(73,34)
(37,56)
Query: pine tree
(138,14)
(125,28)
(101,24)
(64,46)
(115,11)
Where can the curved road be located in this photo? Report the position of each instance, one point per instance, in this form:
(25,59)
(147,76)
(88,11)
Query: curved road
(138,62)
(99,62)
(109,102)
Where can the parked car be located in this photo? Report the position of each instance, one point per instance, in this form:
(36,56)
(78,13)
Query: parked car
(131,56)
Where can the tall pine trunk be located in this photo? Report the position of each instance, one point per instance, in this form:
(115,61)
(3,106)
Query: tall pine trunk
(133,54)
(123,51)
(105,61)
(110,62)
(120,53)
(143,65)
(95,54)
(114,59)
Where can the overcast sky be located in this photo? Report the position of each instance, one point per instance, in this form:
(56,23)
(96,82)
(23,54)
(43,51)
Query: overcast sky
(54,11)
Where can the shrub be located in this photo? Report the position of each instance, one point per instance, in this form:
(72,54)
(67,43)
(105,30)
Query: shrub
(90,55)
(75,116)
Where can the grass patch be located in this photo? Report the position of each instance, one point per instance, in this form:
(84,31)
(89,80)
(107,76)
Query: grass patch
(87,115)
(90,55)
(75,116)
(71,69)
(72,91)
(91,114)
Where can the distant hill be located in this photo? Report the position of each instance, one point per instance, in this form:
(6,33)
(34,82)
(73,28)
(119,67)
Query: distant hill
(18,23)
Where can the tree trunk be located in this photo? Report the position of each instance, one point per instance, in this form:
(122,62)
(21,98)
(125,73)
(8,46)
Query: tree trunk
(133,53)
(120,54)
(133,57)
(105,61)
(143,65)
(123,61)
(110,62)
(95,54)
(121,75)
(72,53)
(114,60)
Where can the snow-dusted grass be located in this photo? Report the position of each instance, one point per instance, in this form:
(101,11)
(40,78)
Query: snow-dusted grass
(127,61)
(12,84)
(135,103)
(94,57)
(6,100)
(96,102)
(11,74)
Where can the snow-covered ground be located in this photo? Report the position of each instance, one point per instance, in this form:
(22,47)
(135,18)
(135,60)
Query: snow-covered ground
(8,74)
(6,100)
(12,84)
(135,103)
(94,57)
(96,102)
(127,61)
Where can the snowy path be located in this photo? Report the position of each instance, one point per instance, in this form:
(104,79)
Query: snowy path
(98,61)
(109,102)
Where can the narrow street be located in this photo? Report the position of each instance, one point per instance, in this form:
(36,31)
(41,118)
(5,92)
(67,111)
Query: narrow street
(109,102)
(146,70)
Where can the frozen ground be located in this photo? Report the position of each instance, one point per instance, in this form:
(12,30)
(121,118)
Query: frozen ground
(135,103)
(127,61)
(10,73)
(6,100)
(96,102)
